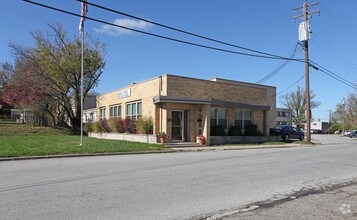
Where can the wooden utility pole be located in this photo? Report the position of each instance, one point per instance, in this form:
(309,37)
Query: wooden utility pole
(306,16)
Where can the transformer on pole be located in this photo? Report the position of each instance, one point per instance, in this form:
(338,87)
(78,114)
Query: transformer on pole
(304,36)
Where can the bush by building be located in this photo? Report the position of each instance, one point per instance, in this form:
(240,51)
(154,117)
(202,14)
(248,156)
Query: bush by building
(144,125)
(218,130)
(252,130)
(234,131)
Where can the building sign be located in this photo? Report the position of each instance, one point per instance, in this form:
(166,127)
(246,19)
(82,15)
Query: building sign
(124,93)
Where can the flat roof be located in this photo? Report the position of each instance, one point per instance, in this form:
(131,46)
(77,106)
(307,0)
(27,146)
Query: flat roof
(229,81)
(219,80)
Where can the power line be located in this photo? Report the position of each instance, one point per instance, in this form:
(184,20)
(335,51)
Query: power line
(336,20)
(303,76)
(280,67)
(248,15)
(334,55)
(332,74)
(179,30)
(160,36)
(323,69)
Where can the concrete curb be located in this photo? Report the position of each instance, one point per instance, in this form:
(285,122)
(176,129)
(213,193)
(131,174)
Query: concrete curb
(83,155)
(194,149)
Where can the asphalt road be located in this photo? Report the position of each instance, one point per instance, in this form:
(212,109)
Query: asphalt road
(337,203)
(169,186)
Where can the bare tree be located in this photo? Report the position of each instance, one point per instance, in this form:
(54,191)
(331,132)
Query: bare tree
(346,111)
(296,102)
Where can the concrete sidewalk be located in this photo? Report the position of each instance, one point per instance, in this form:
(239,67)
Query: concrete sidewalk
(336,203)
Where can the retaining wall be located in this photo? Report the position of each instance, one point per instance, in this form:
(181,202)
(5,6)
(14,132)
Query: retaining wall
(144,138)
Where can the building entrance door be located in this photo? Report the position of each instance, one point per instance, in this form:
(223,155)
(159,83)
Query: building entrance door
(177,126)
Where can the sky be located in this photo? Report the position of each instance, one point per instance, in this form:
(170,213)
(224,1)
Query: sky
(262,25)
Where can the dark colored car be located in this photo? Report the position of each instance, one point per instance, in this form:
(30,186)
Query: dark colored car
(353,134)
(316,131)
(287,132)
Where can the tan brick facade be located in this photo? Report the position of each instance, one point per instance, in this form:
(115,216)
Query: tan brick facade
(168,97)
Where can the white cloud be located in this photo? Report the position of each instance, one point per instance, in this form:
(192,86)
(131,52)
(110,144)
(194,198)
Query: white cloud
(117,31)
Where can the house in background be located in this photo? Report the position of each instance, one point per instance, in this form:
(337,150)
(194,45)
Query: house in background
(283,116)
(89,109)
(89,115)
(184,107)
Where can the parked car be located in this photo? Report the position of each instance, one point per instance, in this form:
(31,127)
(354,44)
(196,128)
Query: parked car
(287,132)
(353,134)
(316,131)
(346,133)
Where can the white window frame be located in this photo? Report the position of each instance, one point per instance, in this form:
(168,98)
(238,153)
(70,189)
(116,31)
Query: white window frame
(102,112)
(117,113)
(138,111)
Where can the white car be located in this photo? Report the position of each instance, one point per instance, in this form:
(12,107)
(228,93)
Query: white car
(347,133)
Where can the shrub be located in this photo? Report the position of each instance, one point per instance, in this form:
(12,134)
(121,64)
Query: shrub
(121,125)
(235,131)
(129,125)
(105,125)
(97,127)
(336,127)
(113,124)
(144,125)
(252,130)
(218,130)
(88,127)
(162,135)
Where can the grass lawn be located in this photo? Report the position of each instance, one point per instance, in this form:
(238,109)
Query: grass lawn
(23,140)
(10,129)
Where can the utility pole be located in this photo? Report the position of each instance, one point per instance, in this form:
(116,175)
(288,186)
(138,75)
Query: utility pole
(305,40)
(329,121)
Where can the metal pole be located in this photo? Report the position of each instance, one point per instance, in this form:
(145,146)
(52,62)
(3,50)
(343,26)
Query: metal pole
(343,116)
(82,70)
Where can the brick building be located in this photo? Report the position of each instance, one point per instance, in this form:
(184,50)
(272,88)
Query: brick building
(283,116)
(187,107)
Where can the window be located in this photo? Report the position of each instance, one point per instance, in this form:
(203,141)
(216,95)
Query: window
(102,113)
(219,117)
(243,118)
(133,110)
(239,118)
(115,111)
(282,114)
(247,116)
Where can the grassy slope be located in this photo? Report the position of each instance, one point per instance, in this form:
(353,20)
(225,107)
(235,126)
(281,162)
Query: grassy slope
(22,140)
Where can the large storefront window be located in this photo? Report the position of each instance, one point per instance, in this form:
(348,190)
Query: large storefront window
(134,110)
(102,113)
(243,118)
(115,111)
(219,117)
